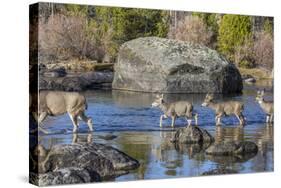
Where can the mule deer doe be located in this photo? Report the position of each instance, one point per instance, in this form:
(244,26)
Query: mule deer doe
(267,106)
(54,103)
(174,110)
(225,108)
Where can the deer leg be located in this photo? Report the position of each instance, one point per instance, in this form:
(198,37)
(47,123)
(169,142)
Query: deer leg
(240,118)
(267,118)
(271,118)
(188,121)
(173,121)
(161,118)
(196,119)
(41,118)
(74,122)
(87,120)
(218,122)
(74,138)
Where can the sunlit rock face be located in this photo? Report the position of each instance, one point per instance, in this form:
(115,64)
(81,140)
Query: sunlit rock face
(153,64)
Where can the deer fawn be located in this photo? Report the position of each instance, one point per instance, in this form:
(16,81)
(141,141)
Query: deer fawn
(225,108)
(174,110)
(267,106)
(54,103)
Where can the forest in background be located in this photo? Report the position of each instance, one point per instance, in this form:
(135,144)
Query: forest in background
(70,32)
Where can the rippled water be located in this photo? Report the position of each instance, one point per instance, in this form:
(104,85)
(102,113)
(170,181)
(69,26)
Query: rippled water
(129,116)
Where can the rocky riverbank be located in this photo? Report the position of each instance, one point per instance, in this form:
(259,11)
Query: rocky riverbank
(60,79)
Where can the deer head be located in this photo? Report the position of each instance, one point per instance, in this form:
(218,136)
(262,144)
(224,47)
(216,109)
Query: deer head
(158,101)
(260,95)
(209,98)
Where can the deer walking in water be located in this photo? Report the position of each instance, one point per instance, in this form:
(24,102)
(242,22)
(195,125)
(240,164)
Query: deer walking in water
(174,110)
(267,106)
(54,103)
(225,108)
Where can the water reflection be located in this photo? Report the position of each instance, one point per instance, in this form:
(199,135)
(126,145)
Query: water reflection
(81,139)
(159,158)
(136,132)
(235,133)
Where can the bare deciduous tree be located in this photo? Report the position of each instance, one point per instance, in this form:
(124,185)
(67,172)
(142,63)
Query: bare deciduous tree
(192,29)
(263,50)
(65,37)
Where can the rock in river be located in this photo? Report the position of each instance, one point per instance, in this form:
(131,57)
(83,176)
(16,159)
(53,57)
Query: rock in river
(78,163)
(153,64)
(192,134)
(68,176)
(219,171)
(232,148)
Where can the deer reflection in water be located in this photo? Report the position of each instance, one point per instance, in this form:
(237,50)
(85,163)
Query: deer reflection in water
(229,134)
(81,139)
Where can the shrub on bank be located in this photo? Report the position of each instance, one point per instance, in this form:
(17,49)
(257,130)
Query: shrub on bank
(68,37)
(192,29)
(263,50)
(234,31)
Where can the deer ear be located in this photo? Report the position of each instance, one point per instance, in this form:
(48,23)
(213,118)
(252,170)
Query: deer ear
(162,96)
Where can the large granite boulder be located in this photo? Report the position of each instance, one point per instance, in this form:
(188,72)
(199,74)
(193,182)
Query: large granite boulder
(192,135)
(80,163)
(153,64)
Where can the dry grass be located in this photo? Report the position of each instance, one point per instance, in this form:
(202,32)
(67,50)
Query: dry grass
(257,73)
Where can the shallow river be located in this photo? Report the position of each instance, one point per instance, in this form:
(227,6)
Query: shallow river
(129,116)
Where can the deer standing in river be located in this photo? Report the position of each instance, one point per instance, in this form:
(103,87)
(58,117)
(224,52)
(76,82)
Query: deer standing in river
(54,103)
(267,106)
(225,108)
(174,110)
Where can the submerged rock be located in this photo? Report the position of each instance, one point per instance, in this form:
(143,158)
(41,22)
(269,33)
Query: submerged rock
(153,64)
(219,171)
(232,148)
(107,137)
(93,160)
(229,159)
(192,134)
